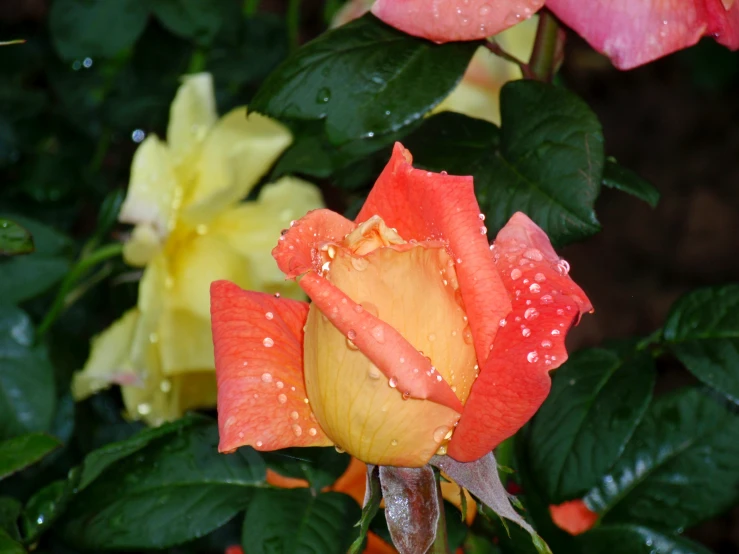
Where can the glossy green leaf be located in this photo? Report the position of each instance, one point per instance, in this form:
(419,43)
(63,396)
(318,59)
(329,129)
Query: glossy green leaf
(369,510)
(321,467)
(8,545)
(636,539)
(365,79)
(20,452)
(27,395)
(10,510)
(618,177)
(47,505)
(702,330)
(100,28)
(175,489)
(195,19)
(680,467)
(597,400)
(24,277)
(299,522)
(14,239)
(547,167)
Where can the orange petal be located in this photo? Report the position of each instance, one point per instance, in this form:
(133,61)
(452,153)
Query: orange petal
(353,481)
(236,549)
(277,480)
(422,205)
(514,381)
(294,251)
(258,342)
(451,20)
(573,516)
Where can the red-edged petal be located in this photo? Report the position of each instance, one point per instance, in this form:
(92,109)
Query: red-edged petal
(295,250)
(723,21)
(634,32)
(258,343)
(382,344)
(451,20)
(423,205)
(514,381)
(573,516)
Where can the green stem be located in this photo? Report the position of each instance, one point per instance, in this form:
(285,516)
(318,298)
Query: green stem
(548,50)
(250,7)
(80,268)
(293,23)
(197,61)
(496,49)
(441,542)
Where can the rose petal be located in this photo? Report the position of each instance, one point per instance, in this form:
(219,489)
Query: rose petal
(294,252)
(423,205)
(514,380)
(258,342)
(635,32)
(573,516)
(451,20)
(723,22)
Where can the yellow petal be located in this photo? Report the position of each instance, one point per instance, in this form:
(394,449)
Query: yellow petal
(185,342)
(236,155)
(252,229)
(519,40)
(109,358)
(142,246)
(191,116)
(152,190)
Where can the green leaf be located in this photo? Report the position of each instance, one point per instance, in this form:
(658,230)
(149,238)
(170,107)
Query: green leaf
(24,277)
(14,239)
(27,395)
(10,546)
(299,522)
(547,166)
(175,489)
(195,19)
(680,467)
(702,330)
(597,400)
(47,505)
(321,467)
(369,511)
(364,79)
(618,177)
(635,539)
(10,510)
(99,28)
(20,452)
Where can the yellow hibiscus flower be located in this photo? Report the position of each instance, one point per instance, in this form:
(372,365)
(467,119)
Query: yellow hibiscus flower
(189,230)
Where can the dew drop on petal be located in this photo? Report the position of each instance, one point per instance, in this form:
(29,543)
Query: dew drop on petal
(535,288)
(546,344)
(393,382)
(258,444)
(294,415)
(530,313)
(555,332)
(546,299)
(533,254)
(268,342)
(378,333)
(515,274)
(269,315)
(282,399)
(563,266)
(539,278)
(394,442)
(483,230)
(526,331)
(297,430)
(502,322)
(532,357)
(481,217)
(279,384)
(267,377)
(312,431)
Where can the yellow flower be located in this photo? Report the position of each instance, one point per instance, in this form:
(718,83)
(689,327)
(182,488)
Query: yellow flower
(190,230)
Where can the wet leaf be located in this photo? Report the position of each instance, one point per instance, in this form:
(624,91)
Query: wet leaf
(195,19)
(702,330)
(618,177)
(636,539)
(20,452)
(10,546)
(597,400)
(47,505)
(14,239)
(10,510)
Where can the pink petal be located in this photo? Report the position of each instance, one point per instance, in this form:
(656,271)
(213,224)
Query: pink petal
(723,18)
(451,20)
(634,32)
(294,251)
(423,205)
(514,381)
(382,344)
(258,343)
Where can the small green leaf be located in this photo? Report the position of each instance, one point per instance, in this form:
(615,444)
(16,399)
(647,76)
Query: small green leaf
(702,330)
(680,467)
(635,539)
(14,239)
(20,452)
(24,277)
(27,395)
(10,546)
(99,28)
(618,177)
(371,506)
(178,487)
(10,510)
(364,79)
(47,505)
(195,19)
(321,467)
(296,520)
(597,400)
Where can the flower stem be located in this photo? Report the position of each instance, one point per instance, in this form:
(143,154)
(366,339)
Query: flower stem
(293,23)
(548,52)
(441,543)
(250,7)
(80,268)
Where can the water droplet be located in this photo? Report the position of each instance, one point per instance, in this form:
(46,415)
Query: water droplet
(323,96)
(277,295)
(485,10)
(393,442)
(555,332)
(530,313)
(339,449)
(563,266)
(533,254)
(483,230)
(393,382)
(258,444)
(440,433)
(297,430)
(294,415)
(526,331)
(432,337)
(165,385)
(502,322)
(268,342)
(402,360)
(138,135)
(267,377)
(143,409)
(374,372)
(515,274)
(532,357)
(269,315)
(481,217)
(282,398)
(546,299)
(279,384)
(539,278)
(546,344)
(360,264)
(312,431)
(378,333)
(535,288)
